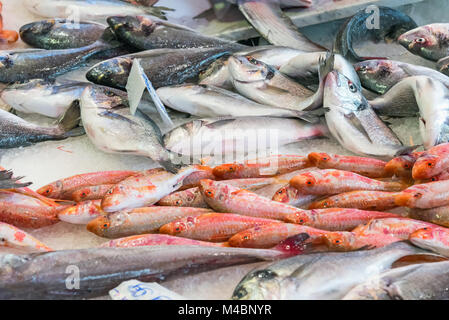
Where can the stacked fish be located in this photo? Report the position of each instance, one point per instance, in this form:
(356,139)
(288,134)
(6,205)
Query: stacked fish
(190,217)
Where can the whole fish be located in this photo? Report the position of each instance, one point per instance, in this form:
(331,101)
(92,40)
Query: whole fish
(144,189)
(91,192)
(209,101)
(7,181)
(432,162)
(429,41)
(269,235)
(397,227)
(439,215)
(330,181)
(261,167)
(149,264)
(214,227)
(157,240)
(336,219)
(402,166)
(380,75)
(362,26)
(92,9)
(13,237)
(361,199)
(343,241)
(45,97)
(425,281)
(53,34)
(225,136)
(63,188)
(443,65)
(82,213)
(164,67)
(291,196)
(145,33)
(319,275)
(369,167)
(353,122)
(434,239)
(113,129)
(268,19)
(226,198)
(139,221)
(425,196)
(16,132)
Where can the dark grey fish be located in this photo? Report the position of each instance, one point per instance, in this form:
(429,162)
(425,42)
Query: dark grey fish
(16,132)
(426,281)
(53,275)
(164,67)
(392,23)
(443,65)
(7,181)
(145,33)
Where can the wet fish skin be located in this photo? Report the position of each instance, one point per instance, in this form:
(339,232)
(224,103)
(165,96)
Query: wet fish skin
(439,215)
(361,199)
(355,29)
(331,181)
(214,227)
(82,213)
(369,167)
(426,281)
(164,67)
(155,263)
(91,192)
(401,166)
(13,237)
(319,275)
(434,239)
(425,196)
(291,196)
(429,41)
(139,221)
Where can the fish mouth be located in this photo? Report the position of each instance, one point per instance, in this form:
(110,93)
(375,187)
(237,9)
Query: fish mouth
(404,41)
(403,199)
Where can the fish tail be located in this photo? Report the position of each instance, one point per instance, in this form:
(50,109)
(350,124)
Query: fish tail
(70,119)
(170,166)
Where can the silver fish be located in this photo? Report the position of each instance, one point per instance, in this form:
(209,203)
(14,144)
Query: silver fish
(111,127)
(353,122)
(48,98)
(426,281)
(102,269)
(321,276)
(225,136)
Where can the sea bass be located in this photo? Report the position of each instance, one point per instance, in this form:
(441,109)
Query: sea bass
(13,237)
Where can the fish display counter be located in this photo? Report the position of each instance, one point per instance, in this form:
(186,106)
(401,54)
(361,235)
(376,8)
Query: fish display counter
(234,149)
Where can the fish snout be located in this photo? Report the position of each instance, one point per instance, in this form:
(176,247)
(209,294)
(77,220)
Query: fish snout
(99,225)
(406,199)
(422,234)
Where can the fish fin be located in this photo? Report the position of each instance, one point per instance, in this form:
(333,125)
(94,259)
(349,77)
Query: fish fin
(71,118)
(275,90)
(356,123)
(406,150)
(293,245)
(308,117)
(170,166)
(326,65)
(157,11)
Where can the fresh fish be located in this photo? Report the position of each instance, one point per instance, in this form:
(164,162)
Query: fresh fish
(361,27)
(53,34)
(434,239)
(144,189)
(214,227)
(291,196)
(7,181)
(364,200)
(63,189)
(13,237)
(439,215)
(261,167)
(269,235)
(193,180)
(29,276)
(343,241)
(336,219)
(330,181)
(145,33)
(92,9)
(82,213)
(224,136)
(16,132)
(139,221)
(111,127)
(432,162)
(369,167)
(429,41)
(397,227)
(157,240)
(226,198)
(319,275)
(91,192)
(380,75)
(45,97)
(402,166)
(163,67)
(353,122)
(425,281)
(425,196)
(268,19)
(443,65)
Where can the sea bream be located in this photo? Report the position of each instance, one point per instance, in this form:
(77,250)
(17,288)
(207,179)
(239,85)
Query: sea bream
(112,128)
(353,122)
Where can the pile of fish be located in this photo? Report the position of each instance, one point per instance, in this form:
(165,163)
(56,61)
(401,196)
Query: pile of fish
(374,225)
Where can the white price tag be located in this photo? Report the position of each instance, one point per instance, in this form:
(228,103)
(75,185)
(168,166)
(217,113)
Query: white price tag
(136,290)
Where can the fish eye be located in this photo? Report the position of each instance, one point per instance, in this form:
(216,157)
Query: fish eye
(241,293)
(2,240)
(420,40)
(309,182)
(337,241)
(178,202)
(352,87)
(417,195)
(325,204)
(231,169)
(209,193)
(429,164)
(106,225)
(245,237)
(301,220)
(406,166)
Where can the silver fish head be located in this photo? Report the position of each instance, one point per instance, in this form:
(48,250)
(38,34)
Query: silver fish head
(342,92)
(111,73)
(258,285)
(135,24)
(107,98)
(425,41)
(34,29)
(248,69)
(374,69)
